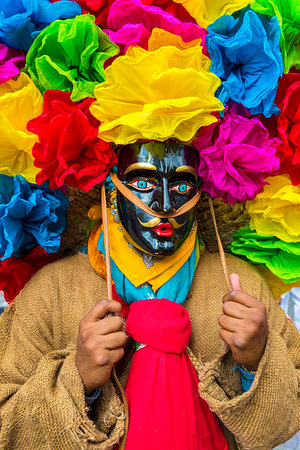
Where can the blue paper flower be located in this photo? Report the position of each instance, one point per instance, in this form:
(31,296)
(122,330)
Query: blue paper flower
(245,54)
(30,215)
(22,20)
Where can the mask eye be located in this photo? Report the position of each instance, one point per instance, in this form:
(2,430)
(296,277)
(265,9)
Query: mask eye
(142,184)
(181,188)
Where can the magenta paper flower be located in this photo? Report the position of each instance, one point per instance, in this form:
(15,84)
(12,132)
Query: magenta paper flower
(236,155)
(11,61)
(130,22)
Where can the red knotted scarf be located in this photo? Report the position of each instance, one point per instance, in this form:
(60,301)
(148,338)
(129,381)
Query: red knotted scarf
(165,409)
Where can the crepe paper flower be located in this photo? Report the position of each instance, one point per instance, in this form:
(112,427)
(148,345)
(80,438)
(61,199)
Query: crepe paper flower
(11,61)
(236,155)
(156,95)
(281,258)
(69,55)
(288,125)
(176,9)
(161,38)
(16,272)
(22,20)
(29,216)
(98,8)
(69,150)
(131,23)
(276,284)
(20,101)
(245,54)
(276,210)
(206,12)
(288,15)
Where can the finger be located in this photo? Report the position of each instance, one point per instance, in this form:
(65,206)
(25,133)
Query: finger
(115,340)
(116,354)
(235,282)
(234,309)
(229,323)
(115,308)
(240,297)
(108,357)
(102,308)
(109,325)
(227,336)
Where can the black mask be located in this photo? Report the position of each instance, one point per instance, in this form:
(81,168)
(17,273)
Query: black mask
(164,176)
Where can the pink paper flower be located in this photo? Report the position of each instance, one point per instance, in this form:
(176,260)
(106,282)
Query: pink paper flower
(236,155)
(11,61)
(130,22)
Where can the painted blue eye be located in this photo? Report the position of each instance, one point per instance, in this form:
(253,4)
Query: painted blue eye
(182,188)
(142,184)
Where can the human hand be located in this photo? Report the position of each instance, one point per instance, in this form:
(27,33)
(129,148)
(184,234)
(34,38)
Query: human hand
(244,325)
(100,343)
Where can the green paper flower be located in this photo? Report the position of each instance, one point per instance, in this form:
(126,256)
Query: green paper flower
(69,55)
(281,258)
(288,15)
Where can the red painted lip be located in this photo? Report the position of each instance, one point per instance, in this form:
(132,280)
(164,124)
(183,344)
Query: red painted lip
(163,229)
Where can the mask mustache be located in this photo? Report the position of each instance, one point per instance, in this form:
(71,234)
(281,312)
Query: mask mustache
(156,221)
(152,223)
(175,224)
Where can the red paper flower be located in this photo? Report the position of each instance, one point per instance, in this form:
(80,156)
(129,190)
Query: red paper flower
(171,7)
(16,272)
(91,6)
(69,150)
(288,124)
(99,9)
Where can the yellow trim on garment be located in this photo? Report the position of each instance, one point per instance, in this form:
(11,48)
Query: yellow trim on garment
(129,261)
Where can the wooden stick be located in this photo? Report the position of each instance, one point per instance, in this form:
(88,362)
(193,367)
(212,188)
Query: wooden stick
(109,296)
(221,250)
(106,242)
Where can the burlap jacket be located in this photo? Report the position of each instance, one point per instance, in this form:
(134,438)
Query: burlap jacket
(42,404)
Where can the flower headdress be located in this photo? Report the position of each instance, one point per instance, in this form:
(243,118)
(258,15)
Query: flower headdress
(224,77)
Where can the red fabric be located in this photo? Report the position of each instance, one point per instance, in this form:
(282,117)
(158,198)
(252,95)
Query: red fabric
(125,306)
(165,409)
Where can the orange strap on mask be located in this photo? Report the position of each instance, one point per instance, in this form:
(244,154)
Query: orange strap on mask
(140,204)
(183,209)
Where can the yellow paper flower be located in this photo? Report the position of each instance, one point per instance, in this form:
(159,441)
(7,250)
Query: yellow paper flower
(207,11)
(276,210)
(20,101)
(156,95)
(162,38)
(278,286)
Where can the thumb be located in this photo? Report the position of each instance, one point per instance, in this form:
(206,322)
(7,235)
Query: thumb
(235,281)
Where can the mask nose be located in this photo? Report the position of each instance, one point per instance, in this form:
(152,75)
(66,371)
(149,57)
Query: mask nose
(166,202)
